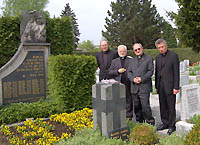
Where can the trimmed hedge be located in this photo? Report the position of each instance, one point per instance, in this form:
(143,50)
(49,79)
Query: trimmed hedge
(183,53)
(18,112)
(70,80)
(59,34)
(9,38)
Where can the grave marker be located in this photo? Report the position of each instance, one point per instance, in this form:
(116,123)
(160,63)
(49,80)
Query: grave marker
(109,109)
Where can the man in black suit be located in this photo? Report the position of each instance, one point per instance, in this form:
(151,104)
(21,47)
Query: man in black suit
(118,70)
(167,84)
(140,71)
(104,59)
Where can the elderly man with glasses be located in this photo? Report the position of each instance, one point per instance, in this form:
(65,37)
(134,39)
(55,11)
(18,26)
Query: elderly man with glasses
(118,70)
(140,71)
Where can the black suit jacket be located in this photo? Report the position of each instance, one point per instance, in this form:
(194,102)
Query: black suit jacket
(144,70)
(103,74)
(170,72)
(115,66)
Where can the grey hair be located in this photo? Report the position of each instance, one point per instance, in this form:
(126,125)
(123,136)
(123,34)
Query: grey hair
(138,44)
(124,46)
(160,41)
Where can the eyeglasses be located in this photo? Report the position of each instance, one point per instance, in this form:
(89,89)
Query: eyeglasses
(138,49)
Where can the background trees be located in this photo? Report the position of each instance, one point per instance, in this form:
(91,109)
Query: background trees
(68,12)
(168,33)
(132,21)
(188,23)
(14,7)
(87,45)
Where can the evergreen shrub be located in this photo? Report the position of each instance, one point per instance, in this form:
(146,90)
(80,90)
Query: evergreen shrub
(9,38)
(172,139)
(70,80)
(18,112)
(60,35)
(144,134)
(89,136)
(193,137)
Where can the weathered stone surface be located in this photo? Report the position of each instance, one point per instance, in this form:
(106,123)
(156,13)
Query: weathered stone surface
(182,128)
(109,109)
(24,77)
(190,101)
(33,27)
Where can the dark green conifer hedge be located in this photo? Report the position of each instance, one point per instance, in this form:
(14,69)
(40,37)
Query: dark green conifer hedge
(70,80)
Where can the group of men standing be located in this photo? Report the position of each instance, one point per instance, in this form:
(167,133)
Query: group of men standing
(136,74)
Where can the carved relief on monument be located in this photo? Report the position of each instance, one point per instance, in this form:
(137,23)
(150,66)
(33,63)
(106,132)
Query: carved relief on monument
(33,27)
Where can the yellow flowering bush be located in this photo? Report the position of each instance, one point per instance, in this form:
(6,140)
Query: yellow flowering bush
(76,120)
(40,132)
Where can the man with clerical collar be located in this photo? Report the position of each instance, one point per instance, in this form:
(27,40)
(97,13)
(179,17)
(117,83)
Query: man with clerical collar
(104,59)
(140,71)
(118,71)
(167,77)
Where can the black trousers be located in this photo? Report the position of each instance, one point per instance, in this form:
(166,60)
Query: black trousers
(129,103)
(167,106)
(142,108)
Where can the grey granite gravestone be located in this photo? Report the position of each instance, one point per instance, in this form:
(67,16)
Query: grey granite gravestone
(187,63)
(24,77)
(190,101)
(184,79)
(183,66)
(109,109)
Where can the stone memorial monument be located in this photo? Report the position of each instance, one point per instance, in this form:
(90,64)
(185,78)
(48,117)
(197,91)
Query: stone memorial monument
(24,77)
(109,109)
(32,27)
(190,101)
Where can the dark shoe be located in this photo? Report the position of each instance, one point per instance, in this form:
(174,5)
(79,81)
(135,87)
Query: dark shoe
(129,118)
(140,121)
(162,127)
(151,121)
(171,130)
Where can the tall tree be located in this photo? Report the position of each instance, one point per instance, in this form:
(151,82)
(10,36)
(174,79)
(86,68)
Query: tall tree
(69,12)
(132,21)
(14,7)
(168,33)
(187,21)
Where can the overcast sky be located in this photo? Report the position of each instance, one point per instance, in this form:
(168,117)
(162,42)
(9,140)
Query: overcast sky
(91,14)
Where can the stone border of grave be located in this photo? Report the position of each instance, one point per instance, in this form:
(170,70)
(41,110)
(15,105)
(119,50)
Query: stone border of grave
(183,128)
(22,123)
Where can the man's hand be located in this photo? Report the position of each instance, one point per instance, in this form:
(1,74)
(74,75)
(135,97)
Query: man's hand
(137,80)
(121,70)
(175,91)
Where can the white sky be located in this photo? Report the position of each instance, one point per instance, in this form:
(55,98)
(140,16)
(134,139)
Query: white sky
(91,14)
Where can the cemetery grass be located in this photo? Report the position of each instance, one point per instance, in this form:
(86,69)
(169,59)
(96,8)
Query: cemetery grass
(57,131)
